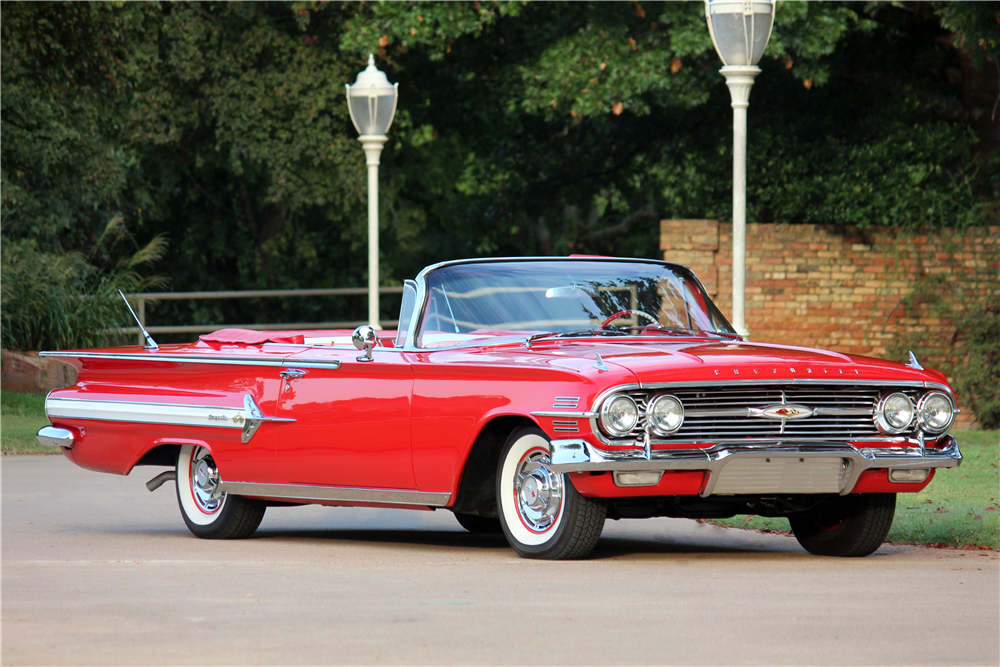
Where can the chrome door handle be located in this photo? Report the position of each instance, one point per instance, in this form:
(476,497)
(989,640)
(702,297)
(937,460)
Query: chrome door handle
(292,374)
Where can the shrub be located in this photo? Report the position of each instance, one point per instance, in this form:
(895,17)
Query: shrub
(63,300)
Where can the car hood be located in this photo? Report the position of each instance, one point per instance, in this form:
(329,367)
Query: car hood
(715,361)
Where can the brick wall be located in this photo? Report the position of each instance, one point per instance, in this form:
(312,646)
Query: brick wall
(817,286)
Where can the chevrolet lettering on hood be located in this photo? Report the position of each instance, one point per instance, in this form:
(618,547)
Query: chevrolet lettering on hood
(532,397)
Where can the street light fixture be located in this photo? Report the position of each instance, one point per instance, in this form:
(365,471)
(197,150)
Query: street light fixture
(371,102)
(740,31)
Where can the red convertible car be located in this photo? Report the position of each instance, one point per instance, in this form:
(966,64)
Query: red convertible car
(536,397)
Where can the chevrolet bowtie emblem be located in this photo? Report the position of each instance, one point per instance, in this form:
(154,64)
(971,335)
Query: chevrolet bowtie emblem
(787,412)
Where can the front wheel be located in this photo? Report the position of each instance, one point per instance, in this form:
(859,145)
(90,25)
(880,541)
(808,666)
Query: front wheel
(541,514)
(209,511)
(854,525)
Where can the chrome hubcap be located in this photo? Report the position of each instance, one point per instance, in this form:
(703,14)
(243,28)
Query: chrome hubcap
(205,481)
(539,492)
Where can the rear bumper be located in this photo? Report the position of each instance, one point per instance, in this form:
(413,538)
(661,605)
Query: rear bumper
(762,467)
(52,436)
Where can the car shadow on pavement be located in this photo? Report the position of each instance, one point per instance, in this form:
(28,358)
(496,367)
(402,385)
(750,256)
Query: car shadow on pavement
(607,548)
(618,547)
(427,538)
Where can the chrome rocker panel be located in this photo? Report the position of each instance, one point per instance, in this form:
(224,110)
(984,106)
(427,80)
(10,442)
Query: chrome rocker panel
(575,455)
(298,492)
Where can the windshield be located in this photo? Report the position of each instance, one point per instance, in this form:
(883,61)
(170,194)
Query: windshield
(534,297)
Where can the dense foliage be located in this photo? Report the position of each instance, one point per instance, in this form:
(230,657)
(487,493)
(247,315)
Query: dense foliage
(969,352)
(522,128)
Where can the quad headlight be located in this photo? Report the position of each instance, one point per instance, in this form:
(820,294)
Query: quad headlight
(894,413)
(619,415)
(666,414)
(935,412)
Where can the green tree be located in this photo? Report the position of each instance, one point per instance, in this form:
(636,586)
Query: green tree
(522,128)
(67,175)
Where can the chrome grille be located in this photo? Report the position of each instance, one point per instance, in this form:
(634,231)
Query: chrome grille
(840,412)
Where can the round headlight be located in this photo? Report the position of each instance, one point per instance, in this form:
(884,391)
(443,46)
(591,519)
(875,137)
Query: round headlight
(895,413)
(935,412)
(666,414)
(619,415)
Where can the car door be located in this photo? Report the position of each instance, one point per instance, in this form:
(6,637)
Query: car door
(352,422)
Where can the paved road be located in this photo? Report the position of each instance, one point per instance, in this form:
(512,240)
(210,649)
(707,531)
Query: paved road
(98,571)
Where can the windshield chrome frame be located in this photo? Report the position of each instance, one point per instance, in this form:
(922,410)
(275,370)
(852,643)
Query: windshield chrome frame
(417,316)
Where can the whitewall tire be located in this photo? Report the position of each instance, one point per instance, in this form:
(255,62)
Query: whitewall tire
(208,511)
(541,513)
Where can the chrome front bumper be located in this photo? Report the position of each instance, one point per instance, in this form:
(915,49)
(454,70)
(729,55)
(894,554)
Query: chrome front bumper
(747,460)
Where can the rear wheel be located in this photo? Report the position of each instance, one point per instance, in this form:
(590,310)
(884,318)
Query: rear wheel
(541,514)
(854,525)
(483,525)
(209,511)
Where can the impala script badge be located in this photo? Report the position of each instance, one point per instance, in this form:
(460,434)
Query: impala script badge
(787,412)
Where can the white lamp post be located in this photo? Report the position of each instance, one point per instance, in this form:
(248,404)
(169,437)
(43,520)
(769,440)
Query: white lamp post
(372,104)
(740,31)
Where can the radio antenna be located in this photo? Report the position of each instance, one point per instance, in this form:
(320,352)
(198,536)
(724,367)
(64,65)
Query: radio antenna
(150,343)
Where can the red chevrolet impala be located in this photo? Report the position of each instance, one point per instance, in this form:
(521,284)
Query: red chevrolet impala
(537,397)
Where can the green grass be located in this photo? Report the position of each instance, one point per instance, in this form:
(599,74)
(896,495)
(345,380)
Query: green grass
(959,508)
(21,415)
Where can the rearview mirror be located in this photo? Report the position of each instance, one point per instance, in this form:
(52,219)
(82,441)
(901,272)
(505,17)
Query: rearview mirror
(570,291)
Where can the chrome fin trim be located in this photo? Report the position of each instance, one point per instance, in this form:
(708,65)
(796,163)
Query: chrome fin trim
(336,493)
(248,418)
(566,414)
(223,360)
(253,418)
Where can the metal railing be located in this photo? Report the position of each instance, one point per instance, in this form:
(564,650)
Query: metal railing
(138,301)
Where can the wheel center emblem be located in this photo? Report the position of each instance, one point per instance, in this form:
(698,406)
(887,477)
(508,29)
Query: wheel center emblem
(201,474)
(530,491)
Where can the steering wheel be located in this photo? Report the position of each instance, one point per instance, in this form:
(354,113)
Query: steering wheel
(626,313)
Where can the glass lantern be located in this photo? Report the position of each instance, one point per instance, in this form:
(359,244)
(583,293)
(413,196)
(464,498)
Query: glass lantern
(372,101)
(740,30)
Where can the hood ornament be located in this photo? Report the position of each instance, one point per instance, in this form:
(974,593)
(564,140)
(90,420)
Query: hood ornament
(913,363)
(600,363)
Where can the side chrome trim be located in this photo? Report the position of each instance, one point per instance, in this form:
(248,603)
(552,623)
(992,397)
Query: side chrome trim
(336,493)
(332,364)
(569,415)
(223,360)
(51,436)
(576,455)
(145,413)
(248,418)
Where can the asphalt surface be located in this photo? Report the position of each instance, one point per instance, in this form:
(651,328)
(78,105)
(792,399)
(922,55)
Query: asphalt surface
(98,571)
